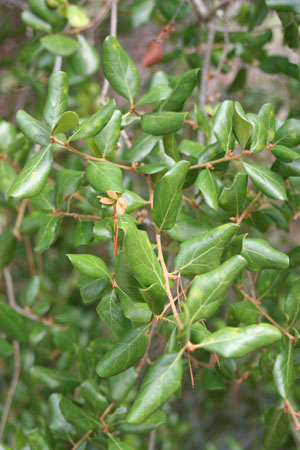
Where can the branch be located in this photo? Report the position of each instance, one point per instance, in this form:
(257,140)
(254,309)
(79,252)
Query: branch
(293,413)
(21,211)
(57,212)
(228,157)
(248,210)
(82,439)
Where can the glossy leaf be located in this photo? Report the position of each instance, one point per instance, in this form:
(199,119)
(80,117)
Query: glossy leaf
(222,126)
(231,198)
(285,154)
(107,140)
(260,255)
(270,183)
(283,372)
(242,126)
(129,349)
(92,126)
(238,342)
(267,115)
(45,199)
(54,379)
(86,60)
(260,132)
(202,254)
(187,227)
(83,233)
(292,303)
(47,234)
(58,424)
(141,148)
(120,385)
(182,87)
(134,310)
(208,290)
(163,122)
(207,184)
(159,92)
(103,230)
(93,396)
(112,316)
(67,122)
(289,133)
(162,380)
(34,130)
(119,69)
(77,416)
(67,182)
(167,196)
(91,288)
(90,265)
(59,44)
(104,177)
(242,311)
(57,99)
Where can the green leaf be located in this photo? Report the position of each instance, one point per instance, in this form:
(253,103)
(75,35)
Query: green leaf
(276,425)
(238,342)
(283,372)
(119,69)
(260,132)
(6,349)
(159,92)
(208,290)
(33,176)
(33,21)
(289,133)
(86,60)
(267,114)
(134,201)
(279,64)
(91,288)
(141,148)
(203,253)
(157,419)
(134,310)
(222,126)
(270,183)
(8,134)
(34,130)
(260,255)
(92,395)
(232,198)
(92,126)
(77,416)
(57,99)
(59,44)
(67,182)
(284,5)
(129,350)
(242,126)
(54,379)
(47,234)
(125,279)
(77,16)
(13,324)
(285,154)
(67,122)
(90,265)
(106,141)
(103,231)
(40,8)
(58,425)
(161,381)
(112,316)
(163,122)
(191,148)
(83,233)
(182,87)
(38,441)
(202,121)
(120,385)
(242,311)
(292,303)
(7,247)
(167,196)
(207,184)
(45,199)
(104,177)
(187,227)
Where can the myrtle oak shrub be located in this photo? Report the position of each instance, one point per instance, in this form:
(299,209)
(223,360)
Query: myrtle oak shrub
(193,241)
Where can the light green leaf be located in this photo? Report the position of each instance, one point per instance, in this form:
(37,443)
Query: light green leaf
(202,254)
(112,316)
(106,141)
(283,372)
(119,69)
(238,342)
(104,177)
(6,349)
(77,16)
(167,196)
(59,44)
(92,126)
(242,311)
(103,231)
(120,385)
(38,441)
(58,425)
(67,182)
(57,99)
(208,290)
(141,148)
(267,114)
(182,87)
(162,380)
(242,126)
(284,5)
(35,22)
(134,201)
(292,303)
(53,379)
(86,60)
(222,126)
(289,133)
(90,265)
(207,184)
(34,130)
(260,255)
(13,324)
(67,122)
(163,122)
(8,135)
(191,148)
(270,183)
(129,349)
(276,424)
(33,176)
(159,92)
(202,121)
(77,416)
(47,234)
(232,198)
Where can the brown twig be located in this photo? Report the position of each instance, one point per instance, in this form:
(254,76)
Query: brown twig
(82,439)
(248,210)
(21,211)
(76,216)
(228,157)
(103,417)
(293,413)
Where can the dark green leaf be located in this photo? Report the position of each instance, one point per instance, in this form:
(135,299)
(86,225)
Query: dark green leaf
(57,99)
(163,122)
(83,233)
(38,441)
(182,87)
(47,234)
(242,126)
(90,265)
(104,177)
(103,231)
(260,255)
(270,183)
(91,288)
(45,199)
(67,182)
(59,44)
(120,385)
(223,125)
(141,148)
(276,425)
(92,126)
(292,303)
(13,323)
(54,379)
(283,372)
(242,312)
(207,184)
(112,316)
(6,349)
(119,69)
(33,21)
(279,64)
(154,421)
(7,247)
(34,130)
(238,342)
(289,133)
(167,196)
(77,416)
(134,310)
(187,227)
(8,134)
(285,154)
(208,290)
(231,199)
(129,350)
(93,396)
(106,141)
(161,381)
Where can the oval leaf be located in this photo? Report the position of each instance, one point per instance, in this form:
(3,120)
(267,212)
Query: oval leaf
(90,265)
(270,183)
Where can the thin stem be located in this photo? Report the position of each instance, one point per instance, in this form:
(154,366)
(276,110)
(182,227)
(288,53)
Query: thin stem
(151,444)
(57,212)
(166,276)
(84,437)
(248,209)
(227,157)
(292,412)
(103,417)
(264,314)
(21,211)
